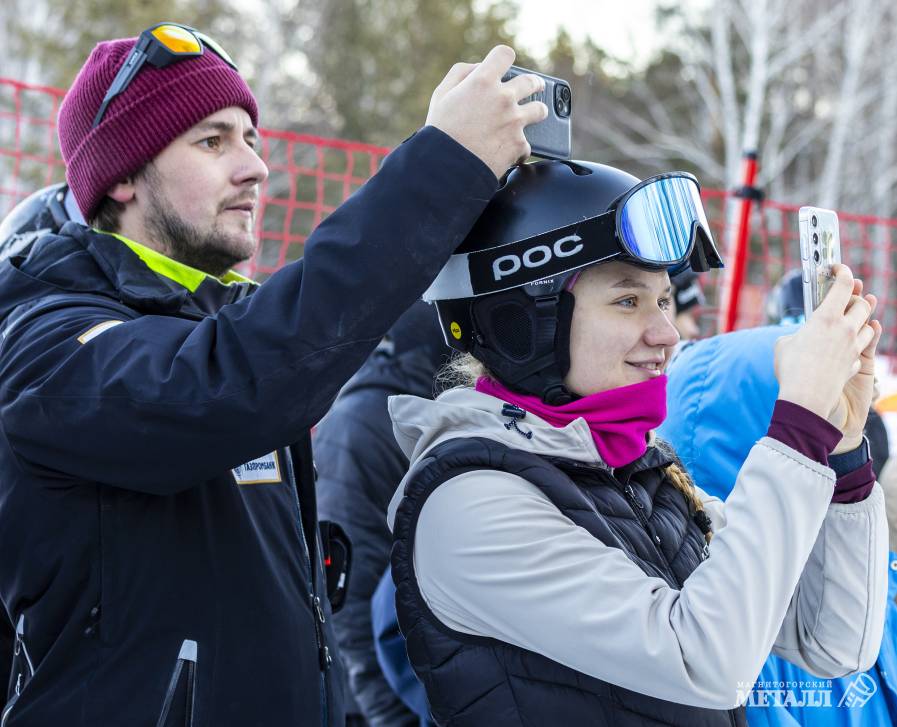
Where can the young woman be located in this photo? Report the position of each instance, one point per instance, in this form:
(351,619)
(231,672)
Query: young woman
(554,563)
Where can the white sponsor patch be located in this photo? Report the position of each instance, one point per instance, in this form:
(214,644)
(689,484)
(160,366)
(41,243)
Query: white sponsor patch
(259,471)
(92,333)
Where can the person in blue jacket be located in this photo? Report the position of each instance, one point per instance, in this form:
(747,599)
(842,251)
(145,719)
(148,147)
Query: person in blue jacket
(392,655)
(721,393)
(161,558)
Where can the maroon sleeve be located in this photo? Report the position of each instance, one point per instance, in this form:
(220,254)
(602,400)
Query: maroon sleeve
(855,486)
(801,429)
(815,438)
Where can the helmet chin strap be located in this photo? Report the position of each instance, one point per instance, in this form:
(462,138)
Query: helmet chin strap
(542,374)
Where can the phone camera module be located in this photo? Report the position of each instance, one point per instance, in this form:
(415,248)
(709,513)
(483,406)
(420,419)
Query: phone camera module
(815,239)
(563,100)
(816,256)
(814,221)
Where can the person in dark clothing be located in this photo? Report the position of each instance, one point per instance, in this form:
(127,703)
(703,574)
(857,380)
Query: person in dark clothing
(158,520)
(688,300)
(42,212)
(360,465)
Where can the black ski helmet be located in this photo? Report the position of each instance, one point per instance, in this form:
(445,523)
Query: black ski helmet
(41,213)
(521,332)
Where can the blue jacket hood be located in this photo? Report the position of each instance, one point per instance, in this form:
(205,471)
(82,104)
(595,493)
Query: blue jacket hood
(720,395)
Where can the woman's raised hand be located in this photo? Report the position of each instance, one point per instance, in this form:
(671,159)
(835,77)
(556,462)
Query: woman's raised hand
(828,365)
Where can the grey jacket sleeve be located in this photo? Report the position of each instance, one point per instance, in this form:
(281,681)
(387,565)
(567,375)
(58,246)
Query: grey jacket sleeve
(835,619)
(486,539)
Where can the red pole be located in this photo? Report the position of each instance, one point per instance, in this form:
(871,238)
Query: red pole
(737,261)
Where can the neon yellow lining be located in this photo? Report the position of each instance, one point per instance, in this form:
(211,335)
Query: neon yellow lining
(190,278)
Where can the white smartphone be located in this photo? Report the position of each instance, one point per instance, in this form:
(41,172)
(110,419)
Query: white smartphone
(820,248)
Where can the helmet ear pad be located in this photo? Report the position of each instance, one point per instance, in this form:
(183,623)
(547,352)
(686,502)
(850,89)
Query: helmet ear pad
(525,340)
(506,324)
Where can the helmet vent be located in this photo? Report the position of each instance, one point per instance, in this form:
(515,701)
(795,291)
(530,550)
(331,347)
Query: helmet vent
(578,169)
(513,330)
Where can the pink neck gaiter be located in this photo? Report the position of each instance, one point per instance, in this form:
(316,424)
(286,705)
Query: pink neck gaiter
(619,419)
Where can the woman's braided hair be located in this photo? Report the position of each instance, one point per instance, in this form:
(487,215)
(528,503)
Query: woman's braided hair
(682,482)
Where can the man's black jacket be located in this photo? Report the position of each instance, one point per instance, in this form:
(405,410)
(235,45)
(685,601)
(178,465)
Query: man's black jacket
(157,511)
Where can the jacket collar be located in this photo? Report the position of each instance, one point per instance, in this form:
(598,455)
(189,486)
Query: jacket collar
(150,282)
(420,424)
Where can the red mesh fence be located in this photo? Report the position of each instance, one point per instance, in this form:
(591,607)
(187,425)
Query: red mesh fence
(310,176)
(867,246)
(29,153)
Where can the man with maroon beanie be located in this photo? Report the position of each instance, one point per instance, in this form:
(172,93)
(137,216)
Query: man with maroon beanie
(161,557)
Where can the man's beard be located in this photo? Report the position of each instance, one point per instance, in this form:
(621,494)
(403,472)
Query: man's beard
(213,251)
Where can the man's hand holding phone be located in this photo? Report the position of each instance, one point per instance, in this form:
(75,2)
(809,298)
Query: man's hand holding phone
(484,115)
(828,365)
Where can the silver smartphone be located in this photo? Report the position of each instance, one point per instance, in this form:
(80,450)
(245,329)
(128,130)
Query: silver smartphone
(550,138)
(820,248)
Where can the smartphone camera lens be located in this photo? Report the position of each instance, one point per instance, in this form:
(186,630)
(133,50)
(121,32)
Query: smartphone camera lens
(563,100)
(815,239)
(816,256)
(814,221)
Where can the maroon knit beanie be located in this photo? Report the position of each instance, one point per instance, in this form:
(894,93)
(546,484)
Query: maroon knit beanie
(159,105)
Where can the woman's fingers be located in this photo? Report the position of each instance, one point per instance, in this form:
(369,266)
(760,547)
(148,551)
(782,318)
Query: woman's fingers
(841,291)
(865,338)
(869,350)
(859,310)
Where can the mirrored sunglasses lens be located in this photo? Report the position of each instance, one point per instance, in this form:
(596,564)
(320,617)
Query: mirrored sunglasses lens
(217,49)
(699,206)
(176,39)
(656,222)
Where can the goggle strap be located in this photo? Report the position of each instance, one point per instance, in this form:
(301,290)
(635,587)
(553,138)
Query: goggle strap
(466,275)
(544,255)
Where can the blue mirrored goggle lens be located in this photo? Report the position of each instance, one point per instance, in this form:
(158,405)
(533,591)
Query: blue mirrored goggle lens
(656,222)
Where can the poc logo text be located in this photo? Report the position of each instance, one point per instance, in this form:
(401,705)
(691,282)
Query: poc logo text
(536,256)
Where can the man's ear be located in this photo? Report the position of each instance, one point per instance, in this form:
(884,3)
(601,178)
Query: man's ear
(123,191)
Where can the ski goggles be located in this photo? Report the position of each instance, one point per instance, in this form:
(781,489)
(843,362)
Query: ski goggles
(660,224)
(160,46)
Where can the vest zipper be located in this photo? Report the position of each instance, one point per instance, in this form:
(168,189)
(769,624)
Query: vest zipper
(324,657)
(639,509)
